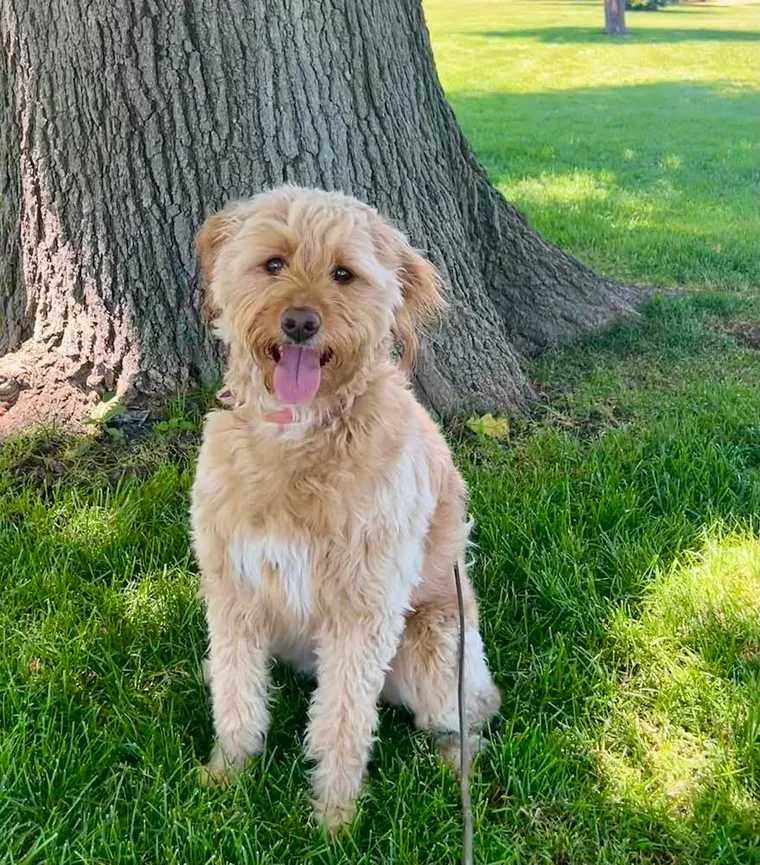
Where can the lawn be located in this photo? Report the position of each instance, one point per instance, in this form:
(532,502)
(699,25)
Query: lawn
(617,557)
(638,155)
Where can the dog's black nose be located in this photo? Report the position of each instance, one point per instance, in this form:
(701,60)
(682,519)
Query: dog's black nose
(300,323)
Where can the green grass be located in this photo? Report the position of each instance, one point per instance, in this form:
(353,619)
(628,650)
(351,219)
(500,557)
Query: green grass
(618,534)
(618,564)
(638,155)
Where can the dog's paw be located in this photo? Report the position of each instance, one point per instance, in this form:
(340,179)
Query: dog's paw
(450,752)
(332,816)
(211,776)
(220,771)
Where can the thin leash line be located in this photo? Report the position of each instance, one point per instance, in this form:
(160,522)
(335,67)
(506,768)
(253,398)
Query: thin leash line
(464,751)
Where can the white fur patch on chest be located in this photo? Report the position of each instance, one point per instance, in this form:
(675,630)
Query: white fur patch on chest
(291,562)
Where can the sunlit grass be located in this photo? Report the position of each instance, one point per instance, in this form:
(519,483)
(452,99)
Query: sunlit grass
(618,565)
(616,554)
(683,728)
(640,155)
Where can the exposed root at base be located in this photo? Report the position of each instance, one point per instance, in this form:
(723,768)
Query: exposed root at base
(37,389)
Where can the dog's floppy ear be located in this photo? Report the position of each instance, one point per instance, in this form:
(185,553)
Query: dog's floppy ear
(421,298)
(215,231)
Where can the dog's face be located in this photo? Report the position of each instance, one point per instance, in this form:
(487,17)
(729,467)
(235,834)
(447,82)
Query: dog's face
(306,286)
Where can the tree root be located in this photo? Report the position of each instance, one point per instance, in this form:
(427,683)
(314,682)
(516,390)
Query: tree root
(38,387)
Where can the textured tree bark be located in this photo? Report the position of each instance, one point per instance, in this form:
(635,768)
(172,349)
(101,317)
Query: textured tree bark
(614,17)
(125,123)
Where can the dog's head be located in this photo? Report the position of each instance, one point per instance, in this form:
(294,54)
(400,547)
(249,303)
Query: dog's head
(307,286)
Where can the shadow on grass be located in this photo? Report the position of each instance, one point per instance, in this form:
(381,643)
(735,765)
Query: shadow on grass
(635,36)
(629,178)
(602,593)
(622,738)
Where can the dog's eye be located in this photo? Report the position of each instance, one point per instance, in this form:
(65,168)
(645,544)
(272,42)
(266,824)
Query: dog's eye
(274,265)
(342,275)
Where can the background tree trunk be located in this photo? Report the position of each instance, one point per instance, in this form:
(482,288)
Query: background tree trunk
(614,17)
(124,124)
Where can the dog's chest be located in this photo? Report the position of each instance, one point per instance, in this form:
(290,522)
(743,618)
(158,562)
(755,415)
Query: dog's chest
(287,564)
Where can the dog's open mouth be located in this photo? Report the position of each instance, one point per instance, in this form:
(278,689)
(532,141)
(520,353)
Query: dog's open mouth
(297,372)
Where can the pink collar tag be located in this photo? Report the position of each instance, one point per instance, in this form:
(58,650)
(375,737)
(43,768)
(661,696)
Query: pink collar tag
(282,416)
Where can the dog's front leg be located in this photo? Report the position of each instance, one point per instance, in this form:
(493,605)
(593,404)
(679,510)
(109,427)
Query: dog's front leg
(355,647)
(238,672)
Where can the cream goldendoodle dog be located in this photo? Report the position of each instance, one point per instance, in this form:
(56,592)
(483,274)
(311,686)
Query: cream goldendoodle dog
(326,512)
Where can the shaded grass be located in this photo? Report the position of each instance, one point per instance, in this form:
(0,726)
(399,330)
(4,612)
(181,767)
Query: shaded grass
(618,551)
(640,155)
(617,564)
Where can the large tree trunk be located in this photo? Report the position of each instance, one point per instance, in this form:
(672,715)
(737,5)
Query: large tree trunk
(125,124)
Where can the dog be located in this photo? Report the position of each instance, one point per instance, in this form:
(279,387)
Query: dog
(326,511)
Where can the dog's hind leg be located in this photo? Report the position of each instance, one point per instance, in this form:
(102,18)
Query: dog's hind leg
(424,671)
(423,675)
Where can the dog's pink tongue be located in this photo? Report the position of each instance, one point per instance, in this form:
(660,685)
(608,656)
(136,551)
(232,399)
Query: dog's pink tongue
(296,376)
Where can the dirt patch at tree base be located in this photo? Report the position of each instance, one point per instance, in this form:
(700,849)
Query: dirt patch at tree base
(744,331)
